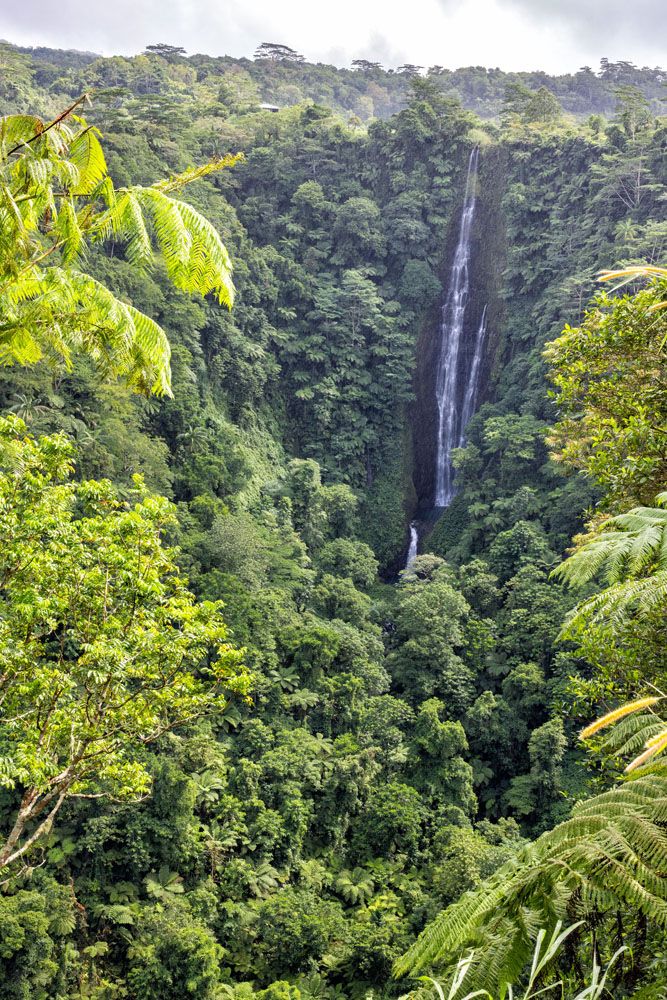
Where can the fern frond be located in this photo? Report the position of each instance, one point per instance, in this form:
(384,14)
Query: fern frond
(151,351)
(85,152)
(615,605)
(15,130)
(172,236)
(69,230)
(209,264)
(633,548)
(65,311)
(618,713)
(195,256)
(47,311)
(125,220)
(178,181)
(612,852)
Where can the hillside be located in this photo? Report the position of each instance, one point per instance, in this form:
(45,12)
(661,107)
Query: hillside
(365,91)
(404,731)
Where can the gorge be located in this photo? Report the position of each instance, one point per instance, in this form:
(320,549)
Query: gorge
(456,375)
(208,508)
(459,361)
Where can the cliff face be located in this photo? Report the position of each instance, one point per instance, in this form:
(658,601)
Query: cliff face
(486,266)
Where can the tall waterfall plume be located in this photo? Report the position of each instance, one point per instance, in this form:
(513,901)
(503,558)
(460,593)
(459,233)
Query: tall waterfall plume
(456,389)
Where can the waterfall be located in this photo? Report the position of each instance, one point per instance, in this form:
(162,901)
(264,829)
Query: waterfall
(414,541)
(470,398)
(453,415)
(458,368)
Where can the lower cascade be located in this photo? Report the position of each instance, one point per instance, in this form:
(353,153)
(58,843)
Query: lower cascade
(414,542)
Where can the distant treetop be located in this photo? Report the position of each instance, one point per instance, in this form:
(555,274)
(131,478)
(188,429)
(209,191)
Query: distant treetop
(168,52)
(274,52)
(366,66)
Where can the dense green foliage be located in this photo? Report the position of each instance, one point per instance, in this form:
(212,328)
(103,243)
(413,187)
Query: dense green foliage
(91,603)
(56,198)
(403,738)
(604,865)
(279,76)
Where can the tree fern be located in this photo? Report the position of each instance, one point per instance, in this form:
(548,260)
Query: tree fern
(611,853)
(126,223)
(85,152)
(55,198)
(546,950)
(193,252)
(630,552)
(62,312)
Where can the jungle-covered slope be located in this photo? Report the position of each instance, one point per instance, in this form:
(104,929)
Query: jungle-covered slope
(401,740)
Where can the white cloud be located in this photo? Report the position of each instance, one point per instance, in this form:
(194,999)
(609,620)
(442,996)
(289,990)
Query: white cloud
(554,35)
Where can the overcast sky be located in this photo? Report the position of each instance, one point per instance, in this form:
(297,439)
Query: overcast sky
(554,35)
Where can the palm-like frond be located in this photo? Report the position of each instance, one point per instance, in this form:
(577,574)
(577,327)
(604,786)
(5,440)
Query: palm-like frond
(612,852)
(195,256)
(630,552)
(16,130)
(546,950)
(640,271)
(55,198)
(622,547)
(85,152)
(81,315)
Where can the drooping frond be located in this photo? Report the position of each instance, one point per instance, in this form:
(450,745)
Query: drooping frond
(85,152)
(617,714)
(150,352)
(195,256)
(612,852)
(16,130)
(624,546)
(630,551)
(172,237)
(62,312)
(55,198)
(69,230)
(616,604)
(125,221)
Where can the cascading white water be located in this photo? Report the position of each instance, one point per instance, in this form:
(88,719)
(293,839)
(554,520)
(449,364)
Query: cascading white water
(414,542)
(451,420)
(457,375)
(470,398)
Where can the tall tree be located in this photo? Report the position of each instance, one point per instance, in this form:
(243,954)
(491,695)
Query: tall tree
(102,648)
